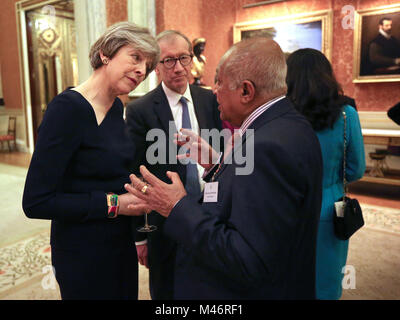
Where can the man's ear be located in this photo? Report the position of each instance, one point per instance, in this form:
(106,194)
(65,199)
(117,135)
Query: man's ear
(157,71)
(247,91)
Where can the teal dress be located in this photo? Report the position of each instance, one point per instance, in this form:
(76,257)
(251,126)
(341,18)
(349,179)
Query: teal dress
(332,252)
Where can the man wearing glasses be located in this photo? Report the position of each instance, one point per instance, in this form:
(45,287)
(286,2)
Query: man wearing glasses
(178,104)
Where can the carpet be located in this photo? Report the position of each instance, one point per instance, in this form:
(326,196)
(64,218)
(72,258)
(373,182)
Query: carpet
(374,253)
(381,218)
(14,225)
(26,272)
(374,256)
(25,263)
(25,253)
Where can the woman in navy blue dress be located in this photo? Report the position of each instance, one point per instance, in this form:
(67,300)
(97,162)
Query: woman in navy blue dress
(80,165)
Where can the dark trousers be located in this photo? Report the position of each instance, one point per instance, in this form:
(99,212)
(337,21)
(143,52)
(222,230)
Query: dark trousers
(161,277)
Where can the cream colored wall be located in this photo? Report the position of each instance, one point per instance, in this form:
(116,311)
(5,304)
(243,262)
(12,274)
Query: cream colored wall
(142,12)
(90,23)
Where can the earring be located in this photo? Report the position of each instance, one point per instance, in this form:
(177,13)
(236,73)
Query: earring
(105,61)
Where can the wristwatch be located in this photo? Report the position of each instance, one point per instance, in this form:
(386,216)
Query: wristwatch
(113,205)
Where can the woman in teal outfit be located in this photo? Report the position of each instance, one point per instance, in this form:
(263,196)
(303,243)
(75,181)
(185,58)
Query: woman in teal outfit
(314,91)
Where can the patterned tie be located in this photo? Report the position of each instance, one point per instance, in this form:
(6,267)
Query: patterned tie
(192,185)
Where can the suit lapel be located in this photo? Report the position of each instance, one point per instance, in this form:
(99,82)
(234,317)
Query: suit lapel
(162,109)
(276,110)
(198,107)
(164,114)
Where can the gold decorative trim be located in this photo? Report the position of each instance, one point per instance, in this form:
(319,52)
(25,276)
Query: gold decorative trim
(33,4)
(325,16)
(18,6)
(358,15)
(50,44)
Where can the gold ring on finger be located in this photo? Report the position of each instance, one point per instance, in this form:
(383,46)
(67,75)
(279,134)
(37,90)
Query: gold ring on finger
(144,189)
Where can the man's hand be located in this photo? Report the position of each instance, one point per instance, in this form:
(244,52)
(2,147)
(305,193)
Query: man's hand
(142,254)
(157,195)
(200,150)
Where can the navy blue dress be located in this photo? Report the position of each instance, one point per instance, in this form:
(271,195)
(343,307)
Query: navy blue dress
(75,163)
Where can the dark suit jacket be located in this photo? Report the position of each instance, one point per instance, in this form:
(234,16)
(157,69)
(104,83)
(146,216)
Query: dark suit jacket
(382,51)
(259,240)
(152,111)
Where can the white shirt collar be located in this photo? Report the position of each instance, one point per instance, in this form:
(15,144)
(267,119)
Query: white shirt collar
(174,97)
(256,113)
(387,36)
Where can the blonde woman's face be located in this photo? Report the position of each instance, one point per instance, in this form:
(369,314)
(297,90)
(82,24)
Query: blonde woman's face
(126,70)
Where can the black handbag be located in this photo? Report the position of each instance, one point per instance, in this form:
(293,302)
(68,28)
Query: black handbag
(348,216)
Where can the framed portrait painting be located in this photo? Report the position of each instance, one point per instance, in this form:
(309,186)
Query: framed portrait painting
(377,45)
(309,30)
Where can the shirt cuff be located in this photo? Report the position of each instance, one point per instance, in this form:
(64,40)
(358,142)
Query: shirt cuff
(140,243)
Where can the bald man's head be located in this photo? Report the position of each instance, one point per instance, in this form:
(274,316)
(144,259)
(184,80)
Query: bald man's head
(259,60)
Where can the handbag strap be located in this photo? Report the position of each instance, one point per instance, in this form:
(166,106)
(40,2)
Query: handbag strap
(344,155)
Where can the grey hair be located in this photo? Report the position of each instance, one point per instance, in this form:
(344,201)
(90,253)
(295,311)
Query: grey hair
(168,34)
(121,34)
(259,60)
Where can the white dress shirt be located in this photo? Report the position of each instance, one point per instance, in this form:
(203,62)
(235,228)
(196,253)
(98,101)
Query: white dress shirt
(176,109)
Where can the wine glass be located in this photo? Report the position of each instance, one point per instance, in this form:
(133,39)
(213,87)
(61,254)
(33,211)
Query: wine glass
(147,227)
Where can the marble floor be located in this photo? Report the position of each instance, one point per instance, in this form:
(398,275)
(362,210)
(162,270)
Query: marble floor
(25,268)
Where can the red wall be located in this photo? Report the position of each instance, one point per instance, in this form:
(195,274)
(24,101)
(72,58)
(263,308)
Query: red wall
(216,18)
(117,11)
(9,59)
(214,21)
(369,96)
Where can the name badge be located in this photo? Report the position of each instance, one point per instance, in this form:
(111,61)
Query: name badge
(211,192)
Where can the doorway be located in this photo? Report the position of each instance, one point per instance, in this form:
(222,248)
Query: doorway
(50,55)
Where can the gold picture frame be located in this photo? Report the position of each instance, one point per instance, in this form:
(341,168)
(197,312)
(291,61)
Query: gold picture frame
(1,90)
(366,24)
(281,30)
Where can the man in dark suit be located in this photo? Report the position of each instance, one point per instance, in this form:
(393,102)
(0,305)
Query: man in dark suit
(253,234)
(162,109)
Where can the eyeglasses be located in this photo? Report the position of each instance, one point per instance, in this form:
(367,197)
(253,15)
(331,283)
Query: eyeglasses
(185,60)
